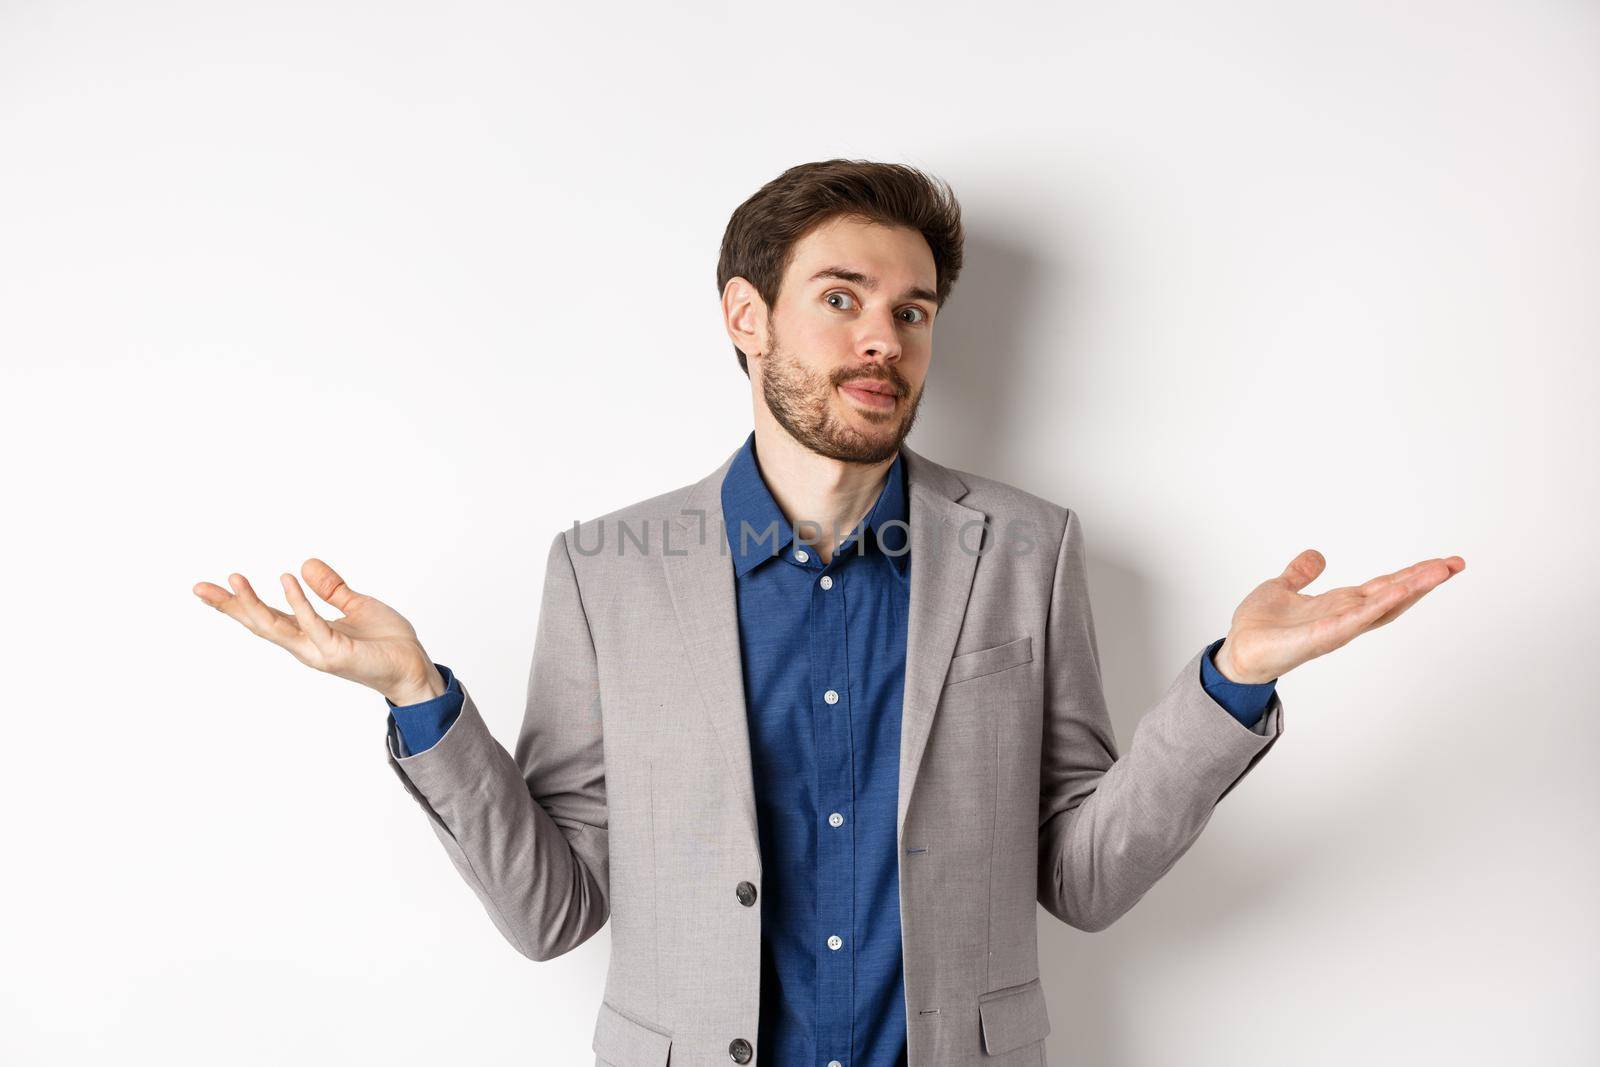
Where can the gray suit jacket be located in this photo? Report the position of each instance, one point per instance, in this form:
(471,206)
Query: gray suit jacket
(629,793)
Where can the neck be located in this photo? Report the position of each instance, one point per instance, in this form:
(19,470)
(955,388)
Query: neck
(832,494)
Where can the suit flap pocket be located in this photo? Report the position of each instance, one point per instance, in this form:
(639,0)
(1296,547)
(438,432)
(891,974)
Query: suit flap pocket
(990,660)
(1013,1017)
(627,1043)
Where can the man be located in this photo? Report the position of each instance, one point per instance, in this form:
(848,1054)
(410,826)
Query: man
(833,678)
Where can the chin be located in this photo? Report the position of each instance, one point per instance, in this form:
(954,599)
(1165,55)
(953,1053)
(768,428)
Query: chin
(873,429)
(880,434)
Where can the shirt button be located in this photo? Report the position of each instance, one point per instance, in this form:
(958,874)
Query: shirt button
(800,554)
(826,581)
(739,1049)
(831,697)
(836,819)
(834,942)
(835,1063)
(746,893)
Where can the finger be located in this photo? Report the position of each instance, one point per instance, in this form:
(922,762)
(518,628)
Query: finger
(326,583)
(1402,607)
(314,625)
(1303,569)
(1420,587)
(1426,576)
(223,601)
(1389,602)
(1394,613)
(1402,575)
(264,621)
(1342,626)
(211,594)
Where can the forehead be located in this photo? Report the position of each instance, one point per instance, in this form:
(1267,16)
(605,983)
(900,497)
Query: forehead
(897,255)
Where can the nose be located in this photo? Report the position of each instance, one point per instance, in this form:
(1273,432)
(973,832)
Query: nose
(879,339)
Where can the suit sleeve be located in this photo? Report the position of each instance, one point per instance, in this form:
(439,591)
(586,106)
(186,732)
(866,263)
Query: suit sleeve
(1245,701)
(418,727)
(1110,826)
(528,831)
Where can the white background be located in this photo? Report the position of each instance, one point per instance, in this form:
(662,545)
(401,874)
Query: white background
(411,287)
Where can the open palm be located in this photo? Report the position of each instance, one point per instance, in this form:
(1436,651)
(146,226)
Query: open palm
(371,644)
(1277,627)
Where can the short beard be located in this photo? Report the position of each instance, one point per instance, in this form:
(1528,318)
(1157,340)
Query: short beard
(801,401)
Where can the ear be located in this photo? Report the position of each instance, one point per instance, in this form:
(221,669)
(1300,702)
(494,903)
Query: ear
(744,314)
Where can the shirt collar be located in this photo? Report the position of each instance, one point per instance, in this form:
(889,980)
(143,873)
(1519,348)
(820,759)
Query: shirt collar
(747,500)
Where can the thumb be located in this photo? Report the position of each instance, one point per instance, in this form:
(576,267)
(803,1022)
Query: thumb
(326,583)
(1303,569)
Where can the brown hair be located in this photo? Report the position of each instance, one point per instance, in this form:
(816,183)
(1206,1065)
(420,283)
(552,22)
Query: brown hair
(763,231)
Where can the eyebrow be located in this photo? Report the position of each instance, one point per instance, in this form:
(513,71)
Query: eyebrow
(845,274)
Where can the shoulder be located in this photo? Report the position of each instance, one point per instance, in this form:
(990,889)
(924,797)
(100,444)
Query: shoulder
(638,524)
(626,538)
(1000,501)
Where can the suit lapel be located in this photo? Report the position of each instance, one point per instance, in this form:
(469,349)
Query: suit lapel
(700,580)
(699,569)
(941,579)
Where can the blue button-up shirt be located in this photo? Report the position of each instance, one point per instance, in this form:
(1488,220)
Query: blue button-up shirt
(823,652)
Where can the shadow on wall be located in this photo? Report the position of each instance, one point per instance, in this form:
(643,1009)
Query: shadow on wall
(978,372)
(979,382)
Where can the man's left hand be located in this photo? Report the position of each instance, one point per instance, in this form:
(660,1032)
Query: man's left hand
(1277,628)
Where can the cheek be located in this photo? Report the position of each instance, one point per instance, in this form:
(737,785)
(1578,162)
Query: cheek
(820,346)
(915,358)
(826,334)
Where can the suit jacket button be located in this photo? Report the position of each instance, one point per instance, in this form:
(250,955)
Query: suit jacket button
(747,896)
(739,1049)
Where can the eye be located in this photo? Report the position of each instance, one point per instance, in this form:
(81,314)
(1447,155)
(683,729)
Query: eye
(923,315)
(839,293)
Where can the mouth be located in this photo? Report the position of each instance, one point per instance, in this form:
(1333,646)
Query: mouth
(870,393)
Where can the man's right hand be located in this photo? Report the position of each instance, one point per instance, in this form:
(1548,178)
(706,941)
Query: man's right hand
(372,644)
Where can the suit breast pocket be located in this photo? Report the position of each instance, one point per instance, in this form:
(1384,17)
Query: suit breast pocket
(987,661)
